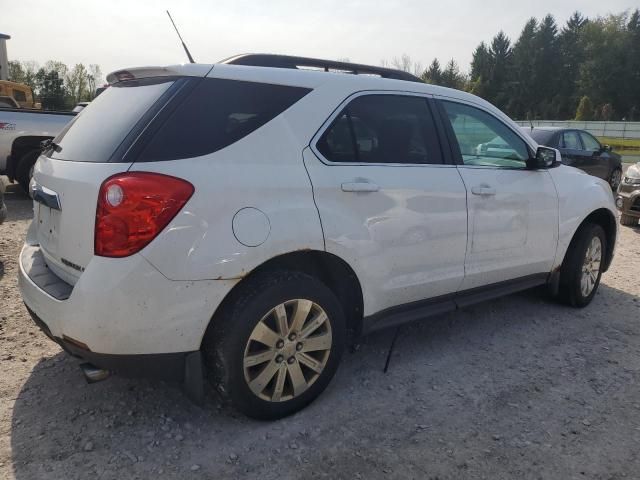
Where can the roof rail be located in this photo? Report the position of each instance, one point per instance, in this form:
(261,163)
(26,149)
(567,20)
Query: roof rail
(286,61)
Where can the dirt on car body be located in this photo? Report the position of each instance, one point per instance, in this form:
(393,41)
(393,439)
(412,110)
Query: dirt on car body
(517,388)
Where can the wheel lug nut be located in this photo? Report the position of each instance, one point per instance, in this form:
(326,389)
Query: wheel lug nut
(279,359)
(299,346)
(280,344)
(292,337)
(291,360)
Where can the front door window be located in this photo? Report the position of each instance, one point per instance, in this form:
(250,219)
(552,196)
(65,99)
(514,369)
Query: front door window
(483,139)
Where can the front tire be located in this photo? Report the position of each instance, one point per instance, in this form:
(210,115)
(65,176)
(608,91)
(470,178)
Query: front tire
(628,220)
(582,268)
(615,178)
(276,344)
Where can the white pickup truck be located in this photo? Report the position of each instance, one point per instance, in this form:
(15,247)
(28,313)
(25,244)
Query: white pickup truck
(21,132)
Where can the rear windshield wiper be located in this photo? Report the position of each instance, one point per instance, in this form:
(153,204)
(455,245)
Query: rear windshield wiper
(50,144)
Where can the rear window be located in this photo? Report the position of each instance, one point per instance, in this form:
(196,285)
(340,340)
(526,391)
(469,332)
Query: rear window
(216,114)
(100,128)
(20,95)
(542,137)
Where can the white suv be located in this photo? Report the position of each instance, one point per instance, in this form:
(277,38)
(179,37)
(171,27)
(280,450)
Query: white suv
(250,217)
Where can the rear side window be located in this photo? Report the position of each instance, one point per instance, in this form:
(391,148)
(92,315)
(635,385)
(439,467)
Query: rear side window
(216,114)
(571,141)
(100,128)
(382,129)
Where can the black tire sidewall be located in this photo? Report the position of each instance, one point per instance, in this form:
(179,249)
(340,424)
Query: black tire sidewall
(24,166)
(628,220)
(230,339)
(573,270)
(611,178)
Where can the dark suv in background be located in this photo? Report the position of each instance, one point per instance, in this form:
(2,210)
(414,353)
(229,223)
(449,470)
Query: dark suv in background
(582,150)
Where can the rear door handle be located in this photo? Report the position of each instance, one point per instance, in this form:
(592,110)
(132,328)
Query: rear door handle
(483,190)
(360,187)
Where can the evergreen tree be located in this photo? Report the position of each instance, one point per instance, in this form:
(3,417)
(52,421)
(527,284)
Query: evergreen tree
(604,74)
(632,85)
(481,62)
(572,56)
(498,81)
(451,76)
(523,73)
(546,66)
(433,74)
(480,70)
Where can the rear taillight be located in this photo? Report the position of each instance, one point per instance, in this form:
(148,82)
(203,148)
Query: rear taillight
(133,208)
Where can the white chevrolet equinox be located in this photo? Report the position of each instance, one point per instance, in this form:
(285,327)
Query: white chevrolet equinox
(242,221)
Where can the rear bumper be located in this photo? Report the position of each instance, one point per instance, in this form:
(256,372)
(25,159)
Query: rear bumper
(121,307)
(165,366)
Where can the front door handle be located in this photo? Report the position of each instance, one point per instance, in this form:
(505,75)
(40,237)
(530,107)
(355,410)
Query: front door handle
(360,187)
(483,190)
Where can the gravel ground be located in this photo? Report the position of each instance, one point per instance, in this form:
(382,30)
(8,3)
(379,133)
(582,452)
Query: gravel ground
(516,388)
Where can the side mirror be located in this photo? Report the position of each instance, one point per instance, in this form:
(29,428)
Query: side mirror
(545,158)
(606,148)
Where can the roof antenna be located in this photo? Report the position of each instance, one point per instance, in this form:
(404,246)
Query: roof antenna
(180,36)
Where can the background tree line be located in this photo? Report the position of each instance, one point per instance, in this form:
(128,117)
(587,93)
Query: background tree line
(588,69)
(55,85)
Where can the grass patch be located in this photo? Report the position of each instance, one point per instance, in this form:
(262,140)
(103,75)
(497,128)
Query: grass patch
(621,144)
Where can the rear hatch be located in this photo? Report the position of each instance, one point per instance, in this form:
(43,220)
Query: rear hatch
(97,144)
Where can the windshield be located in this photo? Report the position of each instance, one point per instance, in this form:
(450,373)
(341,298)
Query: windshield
(99,128)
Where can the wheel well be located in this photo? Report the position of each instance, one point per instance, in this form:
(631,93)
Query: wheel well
(607,221)
(331,270)
(20,147)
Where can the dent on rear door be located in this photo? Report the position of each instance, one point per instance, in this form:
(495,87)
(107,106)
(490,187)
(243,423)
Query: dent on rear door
(405,242)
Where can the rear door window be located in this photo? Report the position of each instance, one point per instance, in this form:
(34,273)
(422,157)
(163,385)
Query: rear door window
(217,113)
(571,141)
(382,129)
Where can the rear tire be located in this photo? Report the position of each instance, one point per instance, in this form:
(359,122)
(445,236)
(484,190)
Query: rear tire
(628,220)
(274,379)
(24,170)
(582,267)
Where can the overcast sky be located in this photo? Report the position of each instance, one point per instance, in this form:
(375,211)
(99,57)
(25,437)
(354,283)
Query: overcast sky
(118,33)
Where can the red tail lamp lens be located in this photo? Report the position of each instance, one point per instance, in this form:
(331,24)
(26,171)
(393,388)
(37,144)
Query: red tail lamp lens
(133,208)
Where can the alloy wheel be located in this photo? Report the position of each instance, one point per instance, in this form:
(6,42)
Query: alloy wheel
(287,350)
(591,266)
